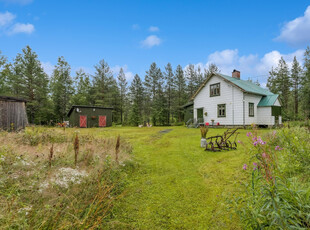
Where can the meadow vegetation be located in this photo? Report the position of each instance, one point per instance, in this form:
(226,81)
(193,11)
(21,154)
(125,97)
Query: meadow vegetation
(153,178)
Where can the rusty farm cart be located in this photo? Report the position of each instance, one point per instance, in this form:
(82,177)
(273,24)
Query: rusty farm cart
(222,142)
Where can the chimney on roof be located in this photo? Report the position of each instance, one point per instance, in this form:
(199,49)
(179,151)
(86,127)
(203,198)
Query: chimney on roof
(236,74)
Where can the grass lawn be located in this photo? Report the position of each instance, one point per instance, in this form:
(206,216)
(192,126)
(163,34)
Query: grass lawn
(178,185)
(166,180)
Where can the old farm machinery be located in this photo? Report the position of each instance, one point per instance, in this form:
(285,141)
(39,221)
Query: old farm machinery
(222,142)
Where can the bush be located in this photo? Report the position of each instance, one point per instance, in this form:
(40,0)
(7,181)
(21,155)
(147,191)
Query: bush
(271,199)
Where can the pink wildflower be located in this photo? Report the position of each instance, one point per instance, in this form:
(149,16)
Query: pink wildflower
(245,166)
(249,134)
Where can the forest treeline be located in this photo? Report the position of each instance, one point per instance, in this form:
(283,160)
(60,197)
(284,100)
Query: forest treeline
(157,98)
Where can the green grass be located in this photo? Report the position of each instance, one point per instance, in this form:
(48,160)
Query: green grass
(171,184)
(178,185)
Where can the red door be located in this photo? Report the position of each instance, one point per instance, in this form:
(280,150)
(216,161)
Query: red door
(83,121)
(102,121)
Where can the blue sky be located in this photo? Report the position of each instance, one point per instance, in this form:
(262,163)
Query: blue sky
(250,36)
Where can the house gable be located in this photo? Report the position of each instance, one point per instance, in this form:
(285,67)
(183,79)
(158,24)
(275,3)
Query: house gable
(243,102)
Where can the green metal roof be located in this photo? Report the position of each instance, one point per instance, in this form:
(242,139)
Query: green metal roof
(268,100)
(247,86)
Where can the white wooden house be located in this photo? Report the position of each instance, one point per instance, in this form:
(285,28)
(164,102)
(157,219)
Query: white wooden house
(231,101)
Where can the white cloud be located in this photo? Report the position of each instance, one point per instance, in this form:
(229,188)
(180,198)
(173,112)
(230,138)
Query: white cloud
(129,75)
(297,31)
(250,65)
(151,41)
(20,2)
(48,68)
(6,18)
(135,27)
(21,28)
(153,29)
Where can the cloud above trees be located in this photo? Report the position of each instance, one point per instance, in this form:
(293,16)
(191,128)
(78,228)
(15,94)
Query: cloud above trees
(151,41)
(297,31)
(9,27)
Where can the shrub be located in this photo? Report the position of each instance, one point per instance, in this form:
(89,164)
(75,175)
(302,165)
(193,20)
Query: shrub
(272,200)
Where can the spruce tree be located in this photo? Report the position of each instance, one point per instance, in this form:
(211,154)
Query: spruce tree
(83,89)
(122,84)
(62,88)
(180,92)
(106,91)
(191,77)
(279,82)
(212,68)
(4,75)
(169,90)
(305,88)
(296,72)
(136,100)
(28,80)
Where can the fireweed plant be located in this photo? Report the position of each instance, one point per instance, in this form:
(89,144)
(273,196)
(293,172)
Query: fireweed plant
(270,200)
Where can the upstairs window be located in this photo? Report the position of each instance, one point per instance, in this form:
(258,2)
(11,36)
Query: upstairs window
(215,90)
(221,110)
(251,109)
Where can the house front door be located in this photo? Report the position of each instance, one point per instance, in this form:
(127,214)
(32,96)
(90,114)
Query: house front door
(83,121)
(102,121)
(200,115)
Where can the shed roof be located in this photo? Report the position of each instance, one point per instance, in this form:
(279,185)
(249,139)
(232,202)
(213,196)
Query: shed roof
(86,106)
(268,100)
(15,99)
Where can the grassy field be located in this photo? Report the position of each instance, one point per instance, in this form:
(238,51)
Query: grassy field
(177,184)
(167,180)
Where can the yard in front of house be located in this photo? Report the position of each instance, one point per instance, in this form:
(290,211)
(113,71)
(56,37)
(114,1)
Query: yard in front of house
(164,179)
(178,185)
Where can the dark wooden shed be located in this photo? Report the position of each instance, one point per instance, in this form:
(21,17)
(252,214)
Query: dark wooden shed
(90,116)
(13,114)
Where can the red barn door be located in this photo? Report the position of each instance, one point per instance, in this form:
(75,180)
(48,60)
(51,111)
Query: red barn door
(102,121)
(83,121)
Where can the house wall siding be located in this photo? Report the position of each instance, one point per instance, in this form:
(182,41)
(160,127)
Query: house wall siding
(264,116)
(232,97)
(277,103)
(229,95)
(251,98)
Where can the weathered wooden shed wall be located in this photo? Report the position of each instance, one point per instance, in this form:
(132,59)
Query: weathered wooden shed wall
(92,113)
(13,114)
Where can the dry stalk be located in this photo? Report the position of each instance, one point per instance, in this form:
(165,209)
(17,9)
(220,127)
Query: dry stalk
(50,156)
(117,148)
(76,146)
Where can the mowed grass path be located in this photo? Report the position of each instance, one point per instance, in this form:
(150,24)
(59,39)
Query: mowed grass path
(178,185)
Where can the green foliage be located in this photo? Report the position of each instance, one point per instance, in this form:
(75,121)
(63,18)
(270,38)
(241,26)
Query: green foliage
(272,198)
(62,89)
(305,87)
(295,156)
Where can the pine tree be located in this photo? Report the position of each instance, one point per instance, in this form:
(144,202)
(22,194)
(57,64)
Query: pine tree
(212,68)
(305,88)
(159,105)
(136,100)
(180,91)
(122,84)
(279,83)
(200,77)
(170,89)
(28,80)
(62,88)
(4,75)
(191,78)
(151,84)
(296,72)
(83,89)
